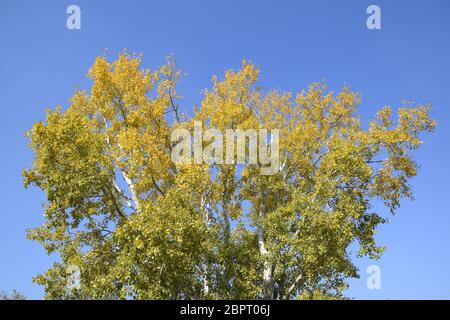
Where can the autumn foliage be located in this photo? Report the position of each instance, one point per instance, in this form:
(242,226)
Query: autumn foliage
(139,226)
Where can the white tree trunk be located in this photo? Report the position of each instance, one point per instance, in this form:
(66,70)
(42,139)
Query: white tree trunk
(268,282)
(132,189)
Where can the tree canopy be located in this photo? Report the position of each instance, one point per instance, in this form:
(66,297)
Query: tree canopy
(139,226)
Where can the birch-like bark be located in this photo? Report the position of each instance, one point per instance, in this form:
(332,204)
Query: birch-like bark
(131,187)
(204,270)
(268,282)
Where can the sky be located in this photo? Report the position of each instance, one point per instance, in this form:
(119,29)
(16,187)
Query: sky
(294,43)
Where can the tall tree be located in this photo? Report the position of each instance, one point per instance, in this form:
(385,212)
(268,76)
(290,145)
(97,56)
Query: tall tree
(137,225)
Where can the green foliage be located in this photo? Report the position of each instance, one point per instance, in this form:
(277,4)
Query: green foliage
(138,226)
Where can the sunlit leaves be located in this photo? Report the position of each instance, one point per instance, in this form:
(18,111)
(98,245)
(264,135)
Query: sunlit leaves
(138,226)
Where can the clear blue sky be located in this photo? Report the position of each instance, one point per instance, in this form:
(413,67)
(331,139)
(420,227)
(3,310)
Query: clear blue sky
(294,42)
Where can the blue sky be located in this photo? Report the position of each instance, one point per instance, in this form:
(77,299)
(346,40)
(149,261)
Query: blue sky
(294,43)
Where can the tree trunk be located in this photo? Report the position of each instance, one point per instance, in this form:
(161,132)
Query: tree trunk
(268,282)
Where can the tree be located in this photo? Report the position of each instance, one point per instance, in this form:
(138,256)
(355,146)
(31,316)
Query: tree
(14,295)
(138,225)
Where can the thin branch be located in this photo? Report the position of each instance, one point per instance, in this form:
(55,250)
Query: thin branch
(157,187)
(174,108)
(113,199)
(292,287)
